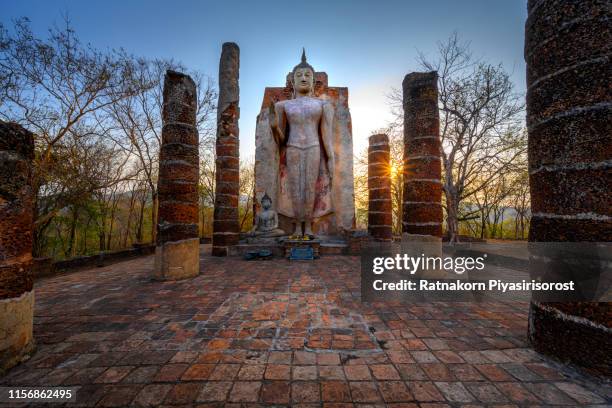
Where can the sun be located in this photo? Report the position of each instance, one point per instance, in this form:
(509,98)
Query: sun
(395,169)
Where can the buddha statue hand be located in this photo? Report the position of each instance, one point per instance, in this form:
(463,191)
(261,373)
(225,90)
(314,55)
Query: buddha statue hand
(272,118)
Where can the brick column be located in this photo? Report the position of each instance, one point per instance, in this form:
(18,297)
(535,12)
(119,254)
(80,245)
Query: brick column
(16,217)
(380,218)
(567,50)
(226,229)
(177,255)
(422,199)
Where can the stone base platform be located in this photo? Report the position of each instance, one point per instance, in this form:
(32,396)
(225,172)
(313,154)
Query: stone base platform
(326,246)
(242,249)
(333,248)
(296,245)
(177,260)
(16,339)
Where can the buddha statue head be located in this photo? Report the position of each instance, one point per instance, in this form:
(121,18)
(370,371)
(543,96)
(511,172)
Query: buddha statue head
(266,202)
(303,77)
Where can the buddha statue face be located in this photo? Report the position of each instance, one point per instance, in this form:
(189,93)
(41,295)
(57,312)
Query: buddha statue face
(303,80)
(266,203)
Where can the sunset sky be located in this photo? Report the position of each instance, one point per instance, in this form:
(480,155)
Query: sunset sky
(367,46)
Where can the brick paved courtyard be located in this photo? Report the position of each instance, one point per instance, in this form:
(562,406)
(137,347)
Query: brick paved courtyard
(280,333)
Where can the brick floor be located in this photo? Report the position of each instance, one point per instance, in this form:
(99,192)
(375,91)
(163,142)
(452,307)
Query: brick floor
(281,333)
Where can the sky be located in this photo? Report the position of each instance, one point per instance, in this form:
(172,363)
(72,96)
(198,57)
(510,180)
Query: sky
(367,46)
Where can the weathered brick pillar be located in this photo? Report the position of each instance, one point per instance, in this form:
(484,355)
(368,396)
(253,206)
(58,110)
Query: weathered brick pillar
(177,255)
(422,199)
(16,217)
(568,51)
(226,229)
(380,218)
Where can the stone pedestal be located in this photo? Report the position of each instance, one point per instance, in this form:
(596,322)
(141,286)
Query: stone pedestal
(422,206)
(567,50)
(16,218)
(226,228)
(177,254)
(380,216)
(290,244)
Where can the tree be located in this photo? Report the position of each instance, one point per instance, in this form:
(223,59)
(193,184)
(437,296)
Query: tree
(360,185)
(206,190)
(54,87)
(246,194)
(96,117)
(520,200)
(136,121)
(396,145)
(489,203)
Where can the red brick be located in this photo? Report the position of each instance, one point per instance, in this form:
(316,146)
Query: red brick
(384,372)
(304,372)
(424,391)
(216,391)
(304,358)
(438,372)
(303,391)
(119,395)
(198,372)
(170,372)
(278,372)
(493,372)
(114,374)
(335,391)
(364,392)
(224,372)
(276,392)
(517,393)
(357,372)
(245,391)
(448,356)
(183,393)
(394,391)
(328,359)
(152,394)
(455,391)
(280,357)
(252,372)
(331,373)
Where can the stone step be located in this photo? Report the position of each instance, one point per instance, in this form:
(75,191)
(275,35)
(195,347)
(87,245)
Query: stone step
(333,248)
(327,248)
(242,249)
